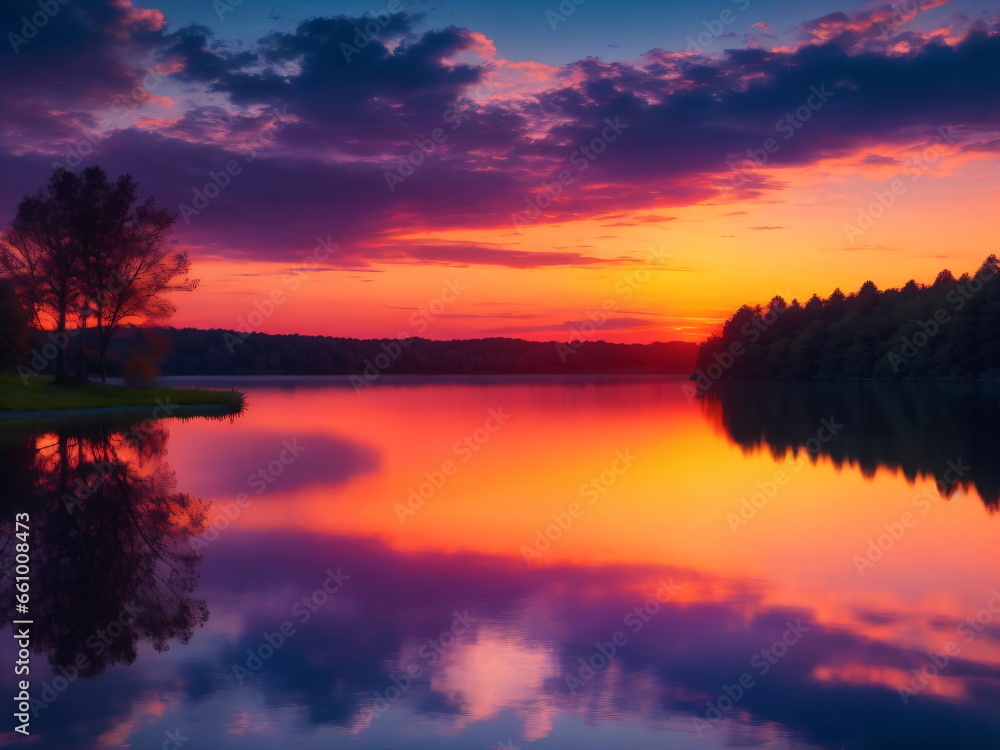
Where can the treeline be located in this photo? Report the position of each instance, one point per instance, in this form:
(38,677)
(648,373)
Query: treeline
(193,351)
(946,330)
(84,257)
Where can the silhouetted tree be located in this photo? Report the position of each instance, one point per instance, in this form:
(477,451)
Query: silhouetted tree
(13,327)
(85,249)
(127,262)
(40,256)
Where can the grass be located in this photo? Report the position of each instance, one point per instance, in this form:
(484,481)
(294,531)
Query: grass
(41,394)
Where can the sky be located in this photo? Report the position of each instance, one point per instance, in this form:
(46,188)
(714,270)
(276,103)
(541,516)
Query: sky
(627,171)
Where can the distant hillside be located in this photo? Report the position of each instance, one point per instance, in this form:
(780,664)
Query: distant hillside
(225,352)
(947,330)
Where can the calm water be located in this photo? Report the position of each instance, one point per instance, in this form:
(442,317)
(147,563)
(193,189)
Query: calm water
(517,563)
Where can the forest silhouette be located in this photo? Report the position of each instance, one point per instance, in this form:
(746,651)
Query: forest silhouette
(194,351)
(946,330)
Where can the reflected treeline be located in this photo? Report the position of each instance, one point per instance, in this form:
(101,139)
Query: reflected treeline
(111,559)
(919,429)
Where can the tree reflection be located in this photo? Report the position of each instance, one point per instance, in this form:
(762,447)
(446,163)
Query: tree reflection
(919,429)
(111,559)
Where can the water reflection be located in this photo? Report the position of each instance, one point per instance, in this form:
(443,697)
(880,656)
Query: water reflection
(919,429)
(111,562)
(442,636)
(425,645)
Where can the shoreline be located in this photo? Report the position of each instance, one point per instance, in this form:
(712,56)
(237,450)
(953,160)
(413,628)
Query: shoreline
(43,399)
(179,410)
(359,383)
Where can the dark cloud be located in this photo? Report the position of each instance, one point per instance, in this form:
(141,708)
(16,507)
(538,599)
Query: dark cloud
(318,123)
(200,58)
(347,89)
(878,160)
(84,56)
(574,326)
(654,218)
(816,102)
(640,220)
(464,255)
(990,146)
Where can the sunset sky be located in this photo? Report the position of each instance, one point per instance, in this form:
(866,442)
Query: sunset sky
(647,165)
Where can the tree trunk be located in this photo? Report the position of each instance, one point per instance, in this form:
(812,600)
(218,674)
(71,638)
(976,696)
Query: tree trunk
(61,350)
(102,354)
(81,373)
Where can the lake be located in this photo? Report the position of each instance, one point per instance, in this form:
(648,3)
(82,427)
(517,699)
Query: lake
(516,562)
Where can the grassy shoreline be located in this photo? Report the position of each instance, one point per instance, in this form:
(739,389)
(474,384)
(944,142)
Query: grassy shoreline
(42,395)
